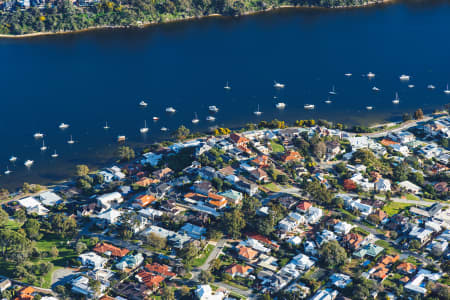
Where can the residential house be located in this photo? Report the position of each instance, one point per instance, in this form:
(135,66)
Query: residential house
(264,240)
(217,201)
(110,250)
(92,260)
(409,187)
(49,198)
(324,237)
(144,200)
(417,284)
(130,261)
(246,187)
(340,280)
(203,187)
(291,156)
(145,182)
(314,215)
(420,234)
(232,196)
(204,292)
(325,294)
(382,185)
(333,148)
(207,173)
(162,173)
(371,250)
(352,241)
(32,206)
(342,228)
(5,284)
(262,161)
(110,216)
(246,253)
(194,231)
(80,285)
(304,206)
(406,268)
(162,270)
(239,270)
(239,140)
(150,280)
(259,175)
(109,200)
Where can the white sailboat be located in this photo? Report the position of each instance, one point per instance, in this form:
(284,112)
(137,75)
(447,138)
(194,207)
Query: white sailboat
(213,108)
(55,155)
(12,159)
(375,89)
(348,74)
(257,112)
(411,86)
(278,85)
(121,138)
(195,120)
(71,141)
(333,91)
(38,135)
(43,148)
(404,77)
(63,126)
(155,118)
(28,163)
(145,128)
(164,129)
(309,106)
(447,91)
(328,101)
(210,118)
(431,87)
(369,107)
(280,105)
(143,103)
(227,87)
(370,75)
(170,110)
(106,127)
(397,99)
(7,172)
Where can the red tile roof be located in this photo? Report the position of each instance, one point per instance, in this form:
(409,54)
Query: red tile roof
(304,205)
(238,269)
(149,279)
(115,251)
(263,240)
(160,269)
(247,252)
(291,155)
(145,200)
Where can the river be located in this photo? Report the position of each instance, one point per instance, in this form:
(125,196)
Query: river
(89,78)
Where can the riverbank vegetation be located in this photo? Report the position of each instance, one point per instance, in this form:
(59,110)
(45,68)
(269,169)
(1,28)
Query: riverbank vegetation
(63,16)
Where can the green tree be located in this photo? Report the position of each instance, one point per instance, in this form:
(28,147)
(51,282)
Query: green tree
(156,241)
(95,285)
(418,114)
(4,217)
(182,132)
(126,153)
(54,252)
(234,222)
(206,276)
(32,228)
(80,247)
(167,293)
(82,170)
(332,254)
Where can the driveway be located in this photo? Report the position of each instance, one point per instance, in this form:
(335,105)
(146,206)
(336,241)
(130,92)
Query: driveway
(63,275)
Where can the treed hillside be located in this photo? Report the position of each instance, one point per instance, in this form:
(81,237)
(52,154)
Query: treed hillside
(64,16)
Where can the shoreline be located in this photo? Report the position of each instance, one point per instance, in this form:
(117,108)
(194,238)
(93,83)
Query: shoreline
(190,18)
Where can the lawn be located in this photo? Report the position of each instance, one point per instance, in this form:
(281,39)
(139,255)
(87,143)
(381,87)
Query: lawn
(272,187)
(200,260)
(387,247)
(412,197)
(238,286)
(277,148)
(395,207)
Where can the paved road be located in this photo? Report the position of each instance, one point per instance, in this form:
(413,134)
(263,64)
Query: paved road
(404,126)
(213,255)
(397,199)
(247,293)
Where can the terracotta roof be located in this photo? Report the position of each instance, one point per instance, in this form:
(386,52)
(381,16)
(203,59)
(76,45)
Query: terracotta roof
(237,139)
(386,142)
(304,205)
(25,293)
(115,251)
(261,160)
(353,239)
(160,269)
(106,297)
(145,181)
(387,260)
(150,279)
(145,200)
(381,271)
(291,155)
(380,214)
(247,252)
(406,267)
(263,240)
(218,203)
(238,269)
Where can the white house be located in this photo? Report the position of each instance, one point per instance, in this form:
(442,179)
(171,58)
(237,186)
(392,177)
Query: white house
(383,185)
(340,280)
(409,187)
(204,292)
(49,198)
(342,228)
(106,201)
(420,234)
(110,216)
(416,286)
(314,215)
(31,205)
(92,260)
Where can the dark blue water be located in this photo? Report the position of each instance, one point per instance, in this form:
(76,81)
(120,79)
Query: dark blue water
(89,78)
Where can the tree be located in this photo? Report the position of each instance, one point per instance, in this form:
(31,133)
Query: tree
(126,153)
(4,217)
(217,183)
(95,285)
(156,241)
(332,255)
(418,114)
(206,276)
(80,247)
(32,228)
(250,205)
(406,117)
(182,132)
(14,246)
(234,222)
(54,252)
(20,215)
(167,293)
(414,244)
(82,170)
(320,149)
(189,252)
